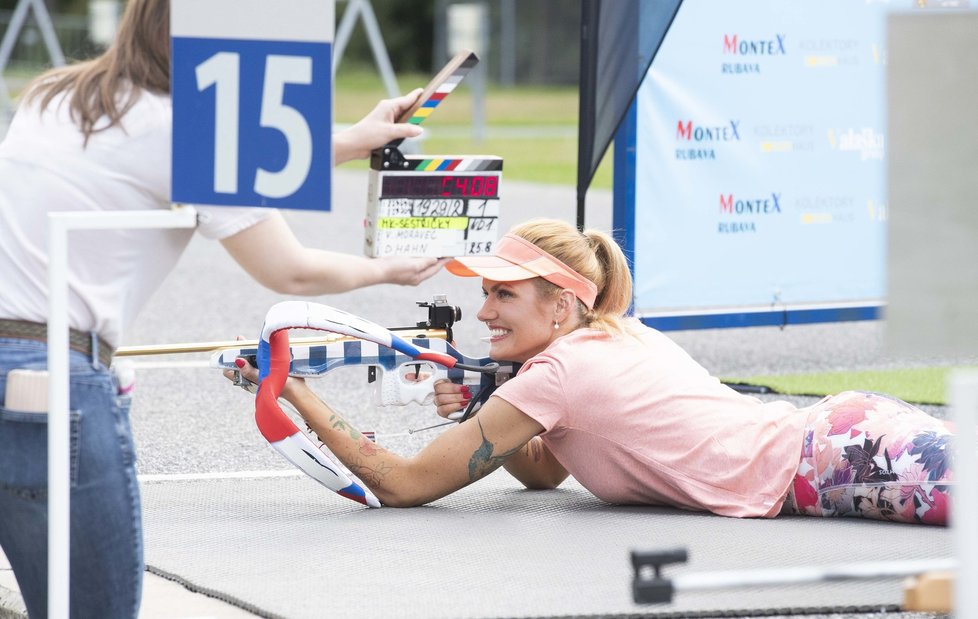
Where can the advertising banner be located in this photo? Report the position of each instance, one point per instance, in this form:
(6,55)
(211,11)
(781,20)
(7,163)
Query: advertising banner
(757,180)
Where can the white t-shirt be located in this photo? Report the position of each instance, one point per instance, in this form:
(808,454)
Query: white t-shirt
(111,273)
(636,420)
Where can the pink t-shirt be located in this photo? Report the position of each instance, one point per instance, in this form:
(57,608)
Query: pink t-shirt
(637,421)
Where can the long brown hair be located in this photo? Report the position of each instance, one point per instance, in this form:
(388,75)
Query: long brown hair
(110,84)
(593,254)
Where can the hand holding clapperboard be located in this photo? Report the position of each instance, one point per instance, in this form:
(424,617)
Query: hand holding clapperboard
(433,205)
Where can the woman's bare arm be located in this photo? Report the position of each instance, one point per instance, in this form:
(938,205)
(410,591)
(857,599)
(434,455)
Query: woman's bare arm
(459,456)
(274,257)
(533,464)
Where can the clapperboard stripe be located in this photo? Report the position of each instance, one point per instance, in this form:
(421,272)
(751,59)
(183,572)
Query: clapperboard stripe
(437,97)
(463,164)
(444,89)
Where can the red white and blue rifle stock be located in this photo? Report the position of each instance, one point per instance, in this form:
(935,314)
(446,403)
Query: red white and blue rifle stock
(347,340)
(277,360)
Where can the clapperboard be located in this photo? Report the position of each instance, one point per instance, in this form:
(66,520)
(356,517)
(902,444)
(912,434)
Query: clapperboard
(433,205)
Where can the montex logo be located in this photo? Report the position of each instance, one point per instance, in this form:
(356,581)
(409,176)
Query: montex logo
(736,45)
(764,205)
(693,132)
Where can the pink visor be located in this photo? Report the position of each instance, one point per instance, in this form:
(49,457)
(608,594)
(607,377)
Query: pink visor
(517,259)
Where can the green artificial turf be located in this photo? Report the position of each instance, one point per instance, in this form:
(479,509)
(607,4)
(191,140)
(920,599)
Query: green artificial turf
(533,128)
(917,385)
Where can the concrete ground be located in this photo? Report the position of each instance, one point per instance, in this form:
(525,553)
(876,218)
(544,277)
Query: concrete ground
(162,599)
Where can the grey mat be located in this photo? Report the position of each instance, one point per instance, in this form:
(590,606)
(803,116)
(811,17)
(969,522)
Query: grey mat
(285,547)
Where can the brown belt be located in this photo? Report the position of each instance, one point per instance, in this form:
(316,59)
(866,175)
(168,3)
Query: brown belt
(78,341)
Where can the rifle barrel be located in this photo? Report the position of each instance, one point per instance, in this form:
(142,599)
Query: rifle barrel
(195,347)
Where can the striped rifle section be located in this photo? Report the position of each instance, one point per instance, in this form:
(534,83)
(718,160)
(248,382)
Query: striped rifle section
(316,360)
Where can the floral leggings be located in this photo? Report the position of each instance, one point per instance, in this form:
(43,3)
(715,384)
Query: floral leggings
(874,456)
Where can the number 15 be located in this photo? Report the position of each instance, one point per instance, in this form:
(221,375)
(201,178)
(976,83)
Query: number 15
(222,70)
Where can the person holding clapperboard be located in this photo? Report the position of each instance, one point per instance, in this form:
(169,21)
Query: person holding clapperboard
(96,136)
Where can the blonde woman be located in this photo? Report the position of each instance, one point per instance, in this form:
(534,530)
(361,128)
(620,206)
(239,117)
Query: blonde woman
(633,417)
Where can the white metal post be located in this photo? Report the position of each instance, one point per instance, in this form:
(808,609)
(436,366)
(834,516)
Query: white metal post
(59,463)
(963,392)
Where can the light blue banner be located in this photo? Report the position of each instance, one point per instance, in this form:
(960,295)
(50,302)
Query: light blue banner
(759,181)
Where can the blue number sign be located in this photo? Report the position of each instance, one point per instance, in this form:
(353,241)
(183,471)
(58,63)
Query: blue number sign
(252,102)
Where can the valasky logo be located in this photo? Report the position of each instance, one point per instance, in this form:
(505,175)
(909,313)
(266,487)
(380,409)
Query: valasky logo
(868,143)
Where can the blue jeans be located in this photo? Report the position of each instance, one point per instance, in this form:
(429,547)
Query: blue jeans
(106,527)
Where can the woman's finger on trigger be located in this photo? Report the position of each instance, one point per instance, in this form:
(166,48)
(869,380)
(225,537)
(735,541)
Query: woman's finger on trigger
(246,369)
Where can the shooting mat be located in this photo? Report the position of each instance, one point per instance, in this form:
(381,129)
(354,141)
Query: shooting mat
(286,547)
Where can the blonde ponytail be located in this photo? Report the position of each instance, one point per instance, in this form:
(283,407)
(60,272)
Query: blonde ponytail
(593,254)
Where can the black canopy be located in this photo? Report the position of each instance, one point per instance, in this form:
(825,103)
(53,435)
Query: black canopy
(619,39)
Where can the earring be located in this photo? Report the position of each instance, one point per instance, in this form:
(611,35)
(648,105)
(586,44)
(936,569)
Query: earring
(556,325)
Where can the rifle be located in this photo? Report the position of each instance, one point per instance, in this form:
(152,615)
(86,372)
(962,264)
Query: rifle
(349,340)
(386,368)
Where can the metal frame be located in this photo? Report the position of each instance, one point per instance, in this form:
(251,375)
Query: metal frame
(363,9)
(963,398)
(59,441)
(17,22)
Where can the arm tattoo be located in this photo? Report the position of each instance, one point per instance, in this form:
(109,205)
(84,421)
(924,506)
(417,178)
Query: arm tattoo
(368,447)
(483,461)
(338,423)
(373,476)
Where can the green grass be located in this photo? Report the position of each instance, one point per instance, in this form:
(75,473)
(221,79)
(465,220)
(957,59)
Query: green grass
(535,127)
(535,159)
(357,91)
(918,385)
(16,79)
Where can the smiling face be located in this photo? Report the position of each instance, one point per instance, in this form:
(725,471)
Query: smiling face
(520,319)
